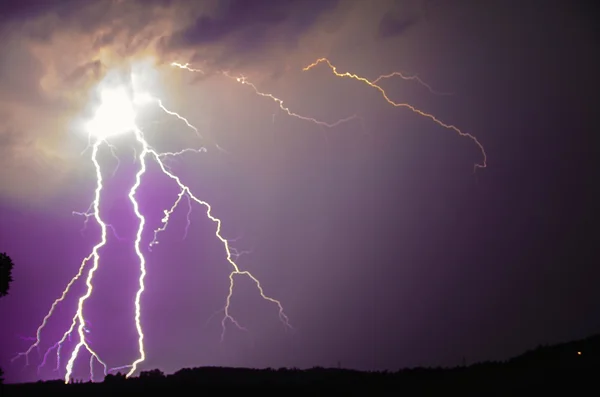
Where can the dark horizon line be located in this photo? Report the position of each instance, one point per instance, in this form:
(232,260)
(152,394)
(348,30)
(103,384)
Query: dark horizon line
(575,347)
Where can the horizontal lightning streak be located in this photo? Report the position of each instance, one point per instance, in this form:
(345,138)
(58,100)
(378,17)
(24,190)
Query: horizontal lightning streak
(244,80)
(179,153)
(483,164)
(187,67)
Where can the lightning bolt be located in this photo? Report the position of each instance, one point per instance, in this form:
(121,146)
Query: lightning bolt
(244,80)
(79,326)
(37,339)
(187,67)
(138,239)
(373,84)
(96,259)
(184,190)
(78,319)
(230,252)
(78,323)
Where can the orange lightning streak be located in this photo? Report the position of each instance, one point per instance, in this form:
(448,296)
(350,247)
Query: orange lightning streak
(373,84)
(243,80)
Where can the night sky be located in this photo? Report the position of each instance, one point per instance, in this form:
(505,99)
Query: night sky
(383,245)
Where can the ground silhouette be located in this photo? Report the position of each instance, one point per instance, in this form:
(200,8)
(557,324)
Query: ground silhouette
(564,369)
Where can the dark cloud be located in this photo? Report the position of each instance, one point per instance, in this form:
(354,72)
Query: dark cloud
(18,10)
(250,25)
(257,16)
(403,15)
(395,26)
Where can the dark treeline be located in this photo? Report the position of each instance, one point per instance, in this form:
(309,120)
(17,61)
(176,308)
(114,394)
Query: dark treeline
(563,369)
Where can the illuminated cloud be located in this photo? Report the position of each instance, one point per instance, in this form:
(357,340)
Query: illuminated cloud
(58,51)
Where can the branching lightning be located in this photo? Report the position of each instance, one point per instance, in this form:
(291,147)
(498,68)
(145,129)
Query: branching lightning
(111,113)
(117,115)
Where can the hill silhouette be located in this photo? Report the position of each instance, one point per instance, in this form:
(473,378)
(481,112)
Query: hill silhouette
(562,369)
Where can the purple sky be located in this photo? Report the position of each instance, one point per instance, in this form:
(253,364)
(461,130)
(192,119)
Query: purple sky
(384,248)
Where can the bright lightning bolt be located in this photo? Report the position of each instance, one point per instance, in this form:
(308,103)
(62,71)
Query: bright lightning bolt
(373,84)
(138,251)
(96,259)
(116,115)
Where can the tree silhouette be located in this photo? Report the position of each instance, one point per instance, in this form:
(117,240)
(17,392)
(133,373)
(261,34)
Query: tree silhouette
(6,265)
(152,374)
(116,378)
